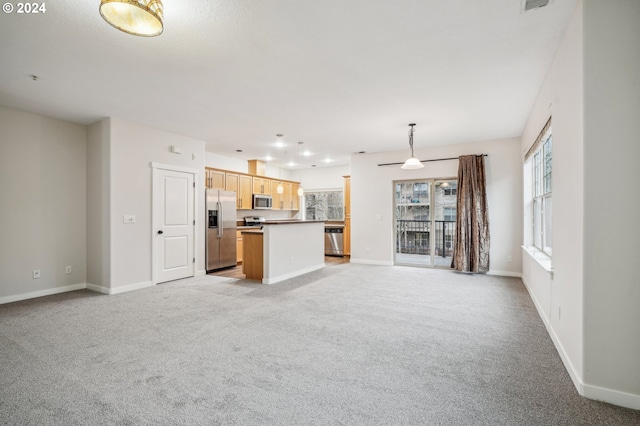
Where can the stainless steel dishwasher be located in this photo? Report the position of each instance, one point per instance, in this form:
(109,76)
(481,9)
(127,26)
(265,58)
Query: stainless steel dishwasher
(334,240)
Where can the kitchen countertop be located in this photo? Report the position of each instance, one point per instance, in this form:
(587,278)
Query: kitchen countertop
(289,221)
(241,227)
(252,231)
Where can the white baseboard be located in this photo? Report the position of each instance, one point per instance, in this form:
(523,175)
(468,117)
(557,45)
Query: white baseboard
(611,396)
(201,273)
(283,277)
(541,313)
(371,262)
(41,293)
(576,378)
(121,289)
(505,273)
(97,288)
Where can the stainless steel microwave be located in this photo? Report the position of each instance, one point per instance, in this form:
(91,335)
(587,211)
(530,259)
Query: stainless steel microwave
(262,202)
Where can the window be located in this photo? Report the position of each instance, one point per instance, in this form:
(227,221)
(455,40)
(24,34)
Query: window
(450,214)
(324,205)
(541,193)
(450,191)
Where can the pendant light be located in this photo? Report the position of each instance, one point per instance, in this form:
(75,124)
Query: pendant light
(300,190)
(138,17)
(280,144)
(412,163)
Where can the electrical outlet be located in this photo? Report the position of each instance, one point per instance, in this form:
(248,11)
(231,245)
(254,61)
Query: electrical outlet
(36,274)
(67,269)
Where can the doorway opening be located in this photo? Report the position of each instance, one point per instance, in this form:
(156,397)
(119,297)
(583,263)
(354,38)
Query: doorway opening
(425,222)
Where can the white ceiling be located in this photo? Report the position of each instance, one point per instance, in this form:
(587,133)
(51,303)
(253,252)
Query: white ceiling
(341,75)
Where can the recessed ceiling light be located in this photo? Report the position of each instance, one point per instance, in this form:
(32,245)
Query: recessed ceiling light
(328,160)
(313,165)
(291,164)
(306,153)
(361,152)
(268,158)
(238,150)
(279,142)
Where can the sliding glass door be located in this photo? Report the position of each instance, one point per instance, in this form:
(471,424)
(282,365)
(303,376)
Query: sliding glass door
(425,212)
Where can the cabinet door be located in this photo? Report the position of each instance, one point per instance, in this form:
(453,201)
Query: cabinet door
(245,193)
(286,196)
(347,216)
(239,246)
(233,184)
(295,198)
(216,179)
(277,198)
(261,185)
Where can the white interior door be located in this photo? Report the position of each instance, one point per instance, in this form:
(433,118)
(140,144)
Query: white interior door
(174,224)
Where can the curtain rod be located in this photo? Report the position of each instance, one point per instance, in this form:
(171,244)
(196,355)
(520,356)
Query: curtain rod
(427,161)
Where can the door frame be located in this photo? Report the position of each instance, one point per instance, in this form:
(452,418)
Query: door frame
(432,234)
(155,168)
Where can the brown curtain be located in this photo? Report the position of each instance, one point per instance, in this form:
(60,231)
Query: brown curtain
(471,246)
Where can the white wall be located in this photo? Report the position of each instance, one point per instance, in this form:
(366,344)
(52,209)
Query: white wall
(233,164)
(592,92)
(323,178)
(612,197)
(561,96)
(133,148)
(42,187)
(98,204)
(372,196)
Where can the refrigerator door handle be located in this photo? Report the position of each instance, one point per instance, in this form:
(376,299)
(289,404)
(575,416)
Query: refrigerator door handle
(220,219)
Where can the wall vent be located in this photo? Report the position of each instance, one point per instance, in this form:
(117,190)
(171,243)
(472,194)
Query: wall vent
(534,4)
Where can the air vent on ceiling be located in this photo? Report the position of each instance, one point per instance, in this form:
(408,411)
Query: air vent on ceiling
(534,4)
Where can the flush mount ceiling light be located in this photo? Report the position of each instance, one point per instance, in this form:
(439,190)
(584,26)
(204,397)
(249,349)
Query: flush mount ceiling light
(137,17)
(412,163)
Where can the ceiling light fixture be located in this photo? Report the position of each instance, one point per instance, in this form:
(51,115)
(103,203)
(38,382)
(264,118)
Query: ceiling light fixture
(412,163)
(138,17)
(279,142)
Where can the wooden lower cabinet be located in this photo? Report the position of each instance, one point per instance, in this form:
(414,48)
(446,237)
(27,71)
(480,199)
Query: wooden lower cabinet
(253,264)
(239,247)
(347,216)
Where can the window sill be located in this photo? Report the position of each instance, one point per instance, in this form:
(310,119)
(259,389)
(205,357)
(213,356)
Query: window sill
(540,257)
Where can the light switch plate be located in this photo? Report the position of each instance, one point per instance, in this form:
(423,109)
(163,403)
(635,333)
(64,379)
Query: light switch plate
(128,218)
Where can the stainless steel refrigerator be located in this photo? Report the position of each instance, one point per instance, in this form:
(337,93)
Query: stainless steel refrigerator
(221,229)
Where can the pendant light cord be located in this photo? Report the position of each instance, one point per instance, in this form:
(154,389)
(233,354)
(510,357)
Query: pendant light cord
(411,138)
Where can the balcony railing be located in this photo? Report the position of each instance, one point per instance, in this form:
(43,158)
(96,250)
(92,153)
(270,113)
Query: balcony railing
(414,236)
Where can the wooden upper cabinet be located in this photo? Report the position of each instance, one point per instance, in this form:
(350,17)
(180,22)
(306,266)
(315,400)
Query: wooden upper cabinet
(295,198)
(215,179)
(285,200)
(233,182)
(261,185)
(277,198)
(288,200)
(245,193)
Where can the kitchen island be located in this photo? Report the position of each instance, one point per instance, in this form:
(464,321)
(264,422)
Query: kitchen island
(283,249)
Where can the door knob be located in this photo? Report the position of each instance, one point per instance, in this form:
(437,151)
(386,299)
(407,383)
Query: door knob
(160,232)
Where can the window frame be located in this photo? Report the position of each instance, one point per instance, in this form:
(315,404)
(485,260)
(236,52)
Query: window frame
(327,209)
(542,192)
